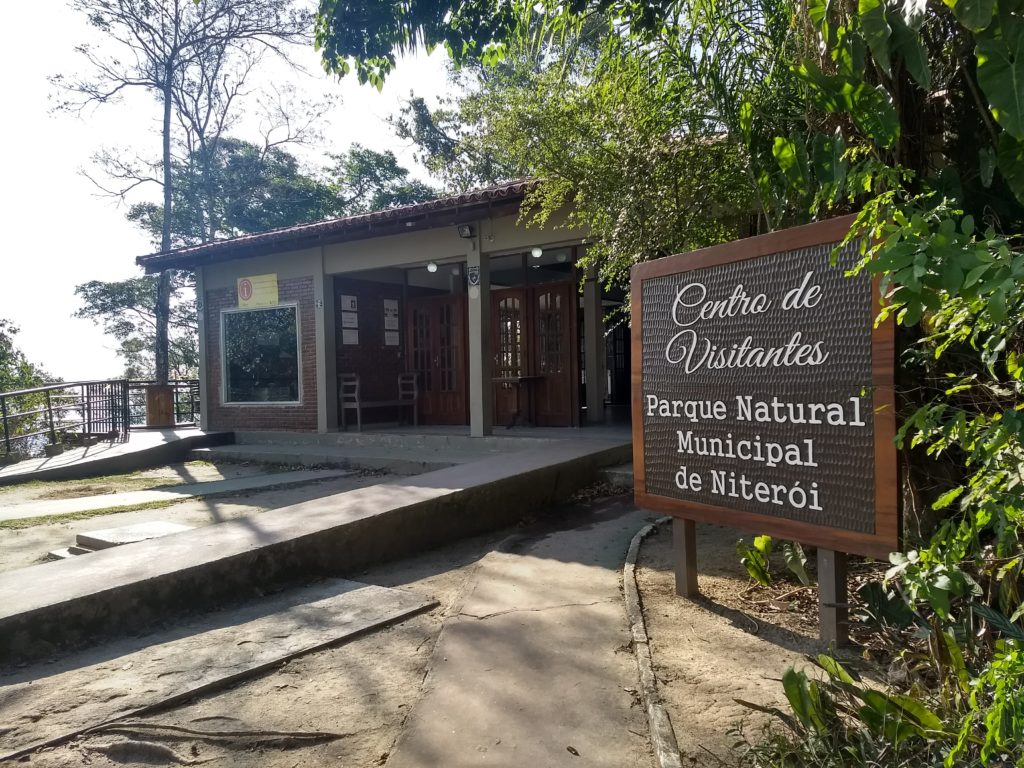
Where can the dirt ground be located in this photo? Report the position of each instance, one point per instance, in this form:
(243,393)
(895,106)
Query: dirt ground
(21,547)
(360,693)
(734,642)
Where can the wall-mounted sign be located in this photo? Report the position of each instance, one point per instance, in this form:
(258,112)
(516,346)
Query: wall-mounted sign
(349,336)
(390,317)
(349,303)
(257,291)
(473,275)
(763,395)
(349,320)
(391,338)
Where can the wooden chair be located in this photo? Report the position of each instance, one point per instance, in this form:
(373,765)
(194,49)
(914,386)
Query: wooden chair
(349,398)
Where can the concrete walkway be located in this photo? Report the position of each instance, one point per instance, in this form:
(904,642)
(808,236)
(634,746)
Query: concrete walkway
(535,669)
(156,495)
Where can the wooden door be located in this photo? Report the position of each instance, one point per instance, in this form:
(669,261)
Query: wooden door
(552,337)
(437,352)
(508,340)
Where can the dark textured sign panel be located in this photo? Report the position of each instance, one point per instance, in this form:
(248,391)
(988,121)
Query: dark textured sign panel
(756,391)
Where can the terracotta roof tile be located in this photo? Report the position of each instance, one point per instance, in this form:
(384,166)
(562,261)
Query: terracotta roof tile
(282,238)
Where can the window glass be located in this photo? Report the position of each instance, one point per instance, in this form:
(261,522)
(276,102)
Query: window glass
(261,356)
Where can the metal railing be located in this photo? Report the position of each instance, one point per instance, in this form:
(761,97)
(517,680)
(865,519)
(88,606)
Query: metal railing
(56,414)
(186,401)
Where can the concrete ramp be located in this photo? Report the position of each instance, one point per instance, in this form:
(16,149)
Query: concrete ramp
(72,602)
(143,449)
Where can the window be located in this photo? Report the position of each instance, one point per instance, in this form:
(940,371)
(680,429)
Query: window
(261,356)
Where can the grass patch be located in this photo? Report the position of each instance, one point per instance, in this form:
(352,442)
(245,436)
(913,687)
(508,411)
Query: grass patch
(30,522)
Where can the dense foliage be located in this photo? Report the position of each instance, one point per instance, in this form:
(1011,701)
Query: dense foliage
(911,114)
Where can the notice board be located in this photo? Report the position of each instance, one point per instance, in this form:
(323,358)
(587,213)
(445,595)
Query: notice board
(763,391)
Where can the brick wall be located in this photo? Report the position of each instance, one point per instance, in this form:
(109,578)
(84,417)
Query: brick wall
(253,416)
(378,365)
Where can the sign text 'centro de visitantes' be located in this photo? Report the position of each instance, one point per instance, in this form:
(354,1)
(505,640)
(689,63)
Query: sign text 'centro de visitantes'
(764,391)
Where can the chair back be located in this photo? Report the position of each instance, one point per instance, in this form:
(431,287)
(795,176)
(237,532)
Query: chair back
(408,386)
(349,388)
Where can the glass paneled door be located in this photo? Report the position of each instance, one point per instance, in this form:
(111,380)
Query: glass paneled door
(533,332)
(437,352)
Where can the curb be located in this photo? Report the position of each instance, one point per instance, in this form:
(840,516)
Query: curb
(663,737)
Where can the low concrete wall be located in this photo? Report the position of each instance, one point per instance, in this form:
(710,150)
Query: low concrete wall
(71,603)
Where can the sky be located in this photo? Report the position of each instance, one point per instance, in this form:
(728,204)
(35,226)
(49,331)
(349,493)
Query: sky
(58,232)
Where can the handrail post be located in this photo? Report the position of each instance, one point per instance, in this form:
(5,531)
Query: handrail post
(49,412)
(126,409)
(7,429)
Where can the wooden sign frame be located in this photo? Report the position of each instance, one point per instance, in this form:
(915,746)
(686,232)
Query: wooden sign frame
(886,535)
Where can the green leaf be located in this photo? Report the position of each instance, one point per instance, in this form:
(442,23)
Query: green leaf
(998,621)
(827,158)
(876,31)
(973,14)
(986,166)
(792,162)
(796,561)
(907,44)
(1011,163)
(1001,73)
(874,114)
(834,669)
(948,498)
(746,119)
(928,719)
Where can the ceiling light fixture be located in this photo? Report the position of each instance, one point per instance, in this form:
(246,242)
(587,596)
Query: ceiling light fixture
(431,267)
(537,251)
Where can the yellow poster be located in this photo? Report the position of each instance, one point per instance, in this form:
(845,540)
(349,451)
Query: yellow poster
(257,291)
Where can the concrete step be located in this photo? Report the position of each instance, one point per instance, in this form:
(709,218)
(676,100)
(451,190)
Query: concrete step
(621,475)
(399,461)
(66,552)
(127,534)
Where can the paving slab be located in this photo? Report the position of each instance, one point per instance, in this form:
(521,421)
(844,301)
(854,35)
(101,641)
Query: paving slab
(169,494)
(128,534)
(535,669)
(69,603)
(46,702)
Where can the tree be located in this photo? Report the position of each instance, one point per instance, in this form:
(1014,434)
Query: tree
(631,158)
(125,309)
(156,46)
(243,188)
(16,371)
(366,180)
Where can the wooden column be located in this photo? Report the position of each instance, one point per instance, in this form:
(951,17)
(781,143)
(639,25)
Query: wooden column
(684,556)
(833,608)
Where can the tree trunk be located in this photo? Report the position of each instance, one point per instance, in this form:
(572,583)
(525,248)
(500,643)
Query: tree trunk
(163,290)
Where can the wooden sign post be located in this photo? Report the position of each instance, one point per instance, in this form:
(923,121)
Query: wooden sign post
(763,400)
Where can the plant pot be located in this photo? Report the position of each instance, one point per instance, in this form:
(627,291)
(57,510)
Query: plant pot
(160,406)
(53,450)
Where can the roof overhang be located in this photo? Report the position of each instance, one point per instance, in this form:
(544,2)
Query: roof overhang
(501,200)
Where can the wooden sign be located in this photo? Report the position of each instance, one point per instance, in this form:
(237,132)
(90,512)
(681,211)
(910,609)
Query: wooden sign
(763,393)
